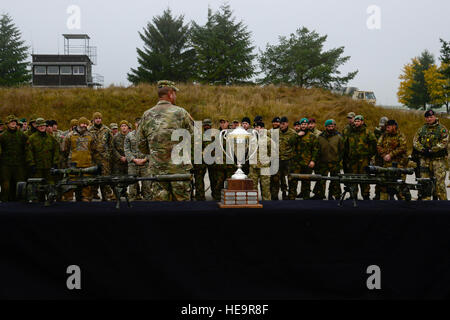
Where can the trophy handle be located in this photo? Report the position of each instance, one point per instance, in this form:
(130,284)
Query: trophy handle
(255,134)
(223,135)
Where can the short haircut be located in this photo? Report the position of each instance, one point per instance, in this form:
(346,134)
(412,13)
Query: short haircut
(164,91)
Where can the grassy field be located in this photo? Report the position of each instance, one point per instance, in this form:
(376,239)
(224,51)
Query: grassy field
(233,102)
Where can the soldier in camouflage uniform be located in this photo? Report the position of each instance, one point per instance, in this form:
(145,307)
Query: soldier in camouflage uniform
(347,130)
(260,172)
(360,146)
(306,151)
(42,153)
(431,142)
(331,152)
(102,153)
(312,127)
(32,126)
(392,147)
(114,129)
(80,147)
(155,139)
(137,166)
(12,145)
(199,170)
(379,131)
(120,164)
(223,171)
(286,152)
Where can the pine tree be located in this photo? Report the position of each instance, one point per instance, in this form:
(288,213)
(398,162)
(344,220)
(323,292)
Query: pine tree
(224,49)
(166,53)
(413,91)
(300,60)
(13,54)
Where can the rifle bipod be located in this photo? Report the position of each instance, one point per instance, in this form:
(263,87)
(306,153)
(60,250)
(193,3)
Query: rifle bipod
(353,192)
(120,192)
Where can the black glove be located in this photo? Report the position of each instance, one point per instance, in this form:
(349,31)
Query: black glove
(426,152)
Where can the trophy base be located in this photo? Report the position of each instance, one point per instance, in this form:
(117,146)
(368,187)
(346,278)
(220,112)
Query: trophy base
(240,194)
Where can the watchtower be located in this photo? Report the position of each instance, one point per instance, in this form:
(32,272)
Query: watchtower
(73,69)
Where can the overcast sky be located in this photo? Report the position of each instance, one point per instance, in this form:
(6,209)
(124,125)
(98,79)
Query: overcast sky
(406,29)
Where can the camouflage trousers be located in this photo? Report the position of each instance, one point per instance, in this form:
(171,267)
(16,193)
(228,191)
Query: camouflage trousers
(106,191)
(358,166)
(256,176)
(9,178)
(172,191)
(222,173)
(279,179)
(334,189)
(305,188)
(199,172)
(137,191)
(435,168)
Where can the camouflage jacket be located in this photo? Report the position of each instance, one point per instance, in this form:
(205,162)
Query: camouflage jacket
(360,143)
(155,137)
(131,148)
(13,146)
(287,141)
(306,149)
(118,146)
(433,137)
(262,155)
(42,151)
(80,148)
(347,130)
(331,149)
(395,145)
(102,145)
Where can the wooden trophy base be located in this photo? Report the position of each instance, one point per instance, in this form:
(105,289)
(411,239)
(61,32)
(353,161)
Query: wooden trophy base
(240,194)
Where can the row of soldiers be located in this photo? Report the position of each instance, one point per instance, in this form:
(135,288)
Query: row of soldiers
(305,149)
(33,152)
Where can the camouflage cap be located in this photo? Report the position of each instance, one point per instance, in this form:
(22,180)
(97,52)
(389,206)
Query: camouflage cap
(223,118)
(124,122)
(73,123)
(351,115)
(207,122)
(11,118)
(383,121)
(167,84)
(359,117)
(83,120)
(40,122)
(114,126)
(23,120)
(97,115)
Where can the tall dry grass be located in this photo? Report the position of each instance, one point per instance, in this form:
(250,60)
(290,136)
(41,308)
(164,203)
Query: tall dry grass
(232,102)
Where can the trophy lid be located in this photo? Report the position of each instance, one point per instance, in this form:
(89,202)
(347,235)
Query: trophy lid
(239,133)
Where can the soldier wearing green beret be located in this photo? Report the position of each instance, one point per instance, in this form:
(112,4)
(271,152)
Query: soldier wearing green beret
(13,167)
(331,152)
(306,150)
